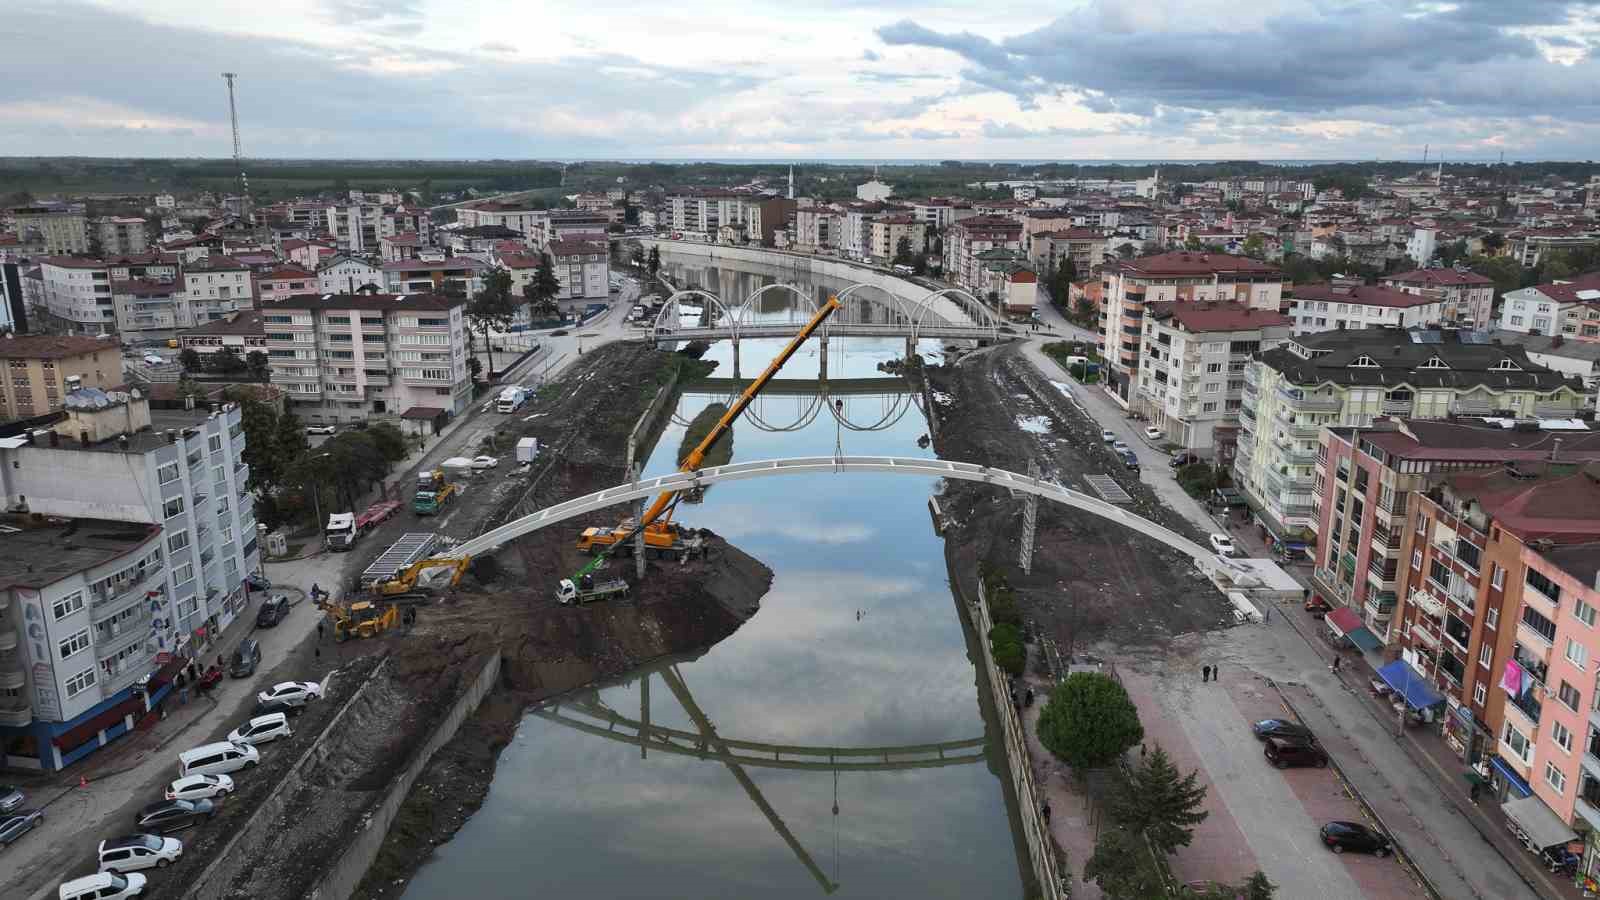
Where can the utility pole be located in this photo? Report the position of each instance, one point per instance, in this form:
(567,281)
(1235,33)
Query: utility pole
(238,155)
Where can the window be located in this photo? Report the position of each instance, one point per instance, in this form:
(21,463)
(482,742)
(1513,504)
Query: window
(1543,585)
(74,644)
(1416,560)
(1439,573)
(1545,628)
(79,682)
(1517,743)
(167,473)
(174,506)
(1498,579)
(1468,554)
(1491,618)
(1554,778)
(67,605)
(1208,407)
(178,541)
(1485,654)
(1585,613)
(1569,696)
(1213,367)
(1479,693)
(214,443)
(183,573)
(1577,654)
(1364,362)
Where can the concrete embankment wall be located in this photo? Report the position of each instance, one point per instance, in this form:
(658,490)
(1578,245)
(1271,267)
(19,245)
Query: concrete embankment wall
(341,880)
(638,438)
(1041,850)
(802,265)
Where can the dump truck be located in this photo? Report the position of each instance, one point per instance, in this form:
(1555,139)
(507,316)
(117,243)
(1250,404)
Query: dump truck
(587,590)
(512,398)
(344,529)
(434,500)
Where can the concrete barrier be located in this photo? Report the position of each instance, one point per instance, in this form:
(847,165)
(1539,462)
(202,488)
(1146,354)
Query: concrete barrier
(341,880)
(1041,848)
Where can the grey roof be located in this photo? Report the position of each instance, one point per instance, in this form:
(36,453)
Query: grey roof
(1398,355)
(1539,343)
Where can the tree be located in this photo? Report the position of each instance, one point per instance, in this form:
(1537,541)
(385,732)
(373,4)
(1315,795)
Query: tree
(1504,271)
(542,290)
(189,358)
(1089,721)
(654,263)
(390,441)
(259,365)
(291,441)
(1255,247)
(491,308)
(1005,641)
(1161,803)
(261,452)
(1257,887)
(1118,867)
(475,367)
(227,361)
(902,252)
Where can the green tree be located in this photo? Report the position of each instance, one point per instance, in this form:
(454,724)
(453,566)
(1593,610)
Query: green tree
(1119,867)
(189,359)
(1257,887)
(1005,641)
(491,308)
(261,453)
(1089,721)
(227,361)
(258,364)
(290,441)
(475,367)
(654,264)
(542,290)
(1505,272)
(1255,247)
(390,441)
(902,252)
(1161,803)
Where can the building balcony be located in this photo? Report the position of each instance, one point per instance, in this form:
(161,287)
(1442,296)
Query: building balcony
(1380,606)
(1382,577)
(1384,543)
(126,673)
(1587,804)
(12,676)
(1397,407)
(1527,703)
(1533,643)
(15,712)
(1300,401)
(110,640)
(1471,406)
(1396,511)
(8,641)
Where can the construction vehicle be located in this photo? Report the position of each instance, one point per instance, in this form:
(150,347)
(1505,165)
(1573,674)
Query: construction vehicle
(587,589)
(362,619)
(401,554)
(344,529)
(662,536)
(433,493)
(409,581)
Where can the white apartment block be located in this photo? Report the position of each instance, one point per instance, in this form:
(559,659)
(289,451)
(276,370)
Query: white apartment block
(77,294)
(121,235)
(345,357)
(1551,309)
(1332,307)
(346,275)
(583,268)
(940,214)
(967,239)
(1467,297)
(816,228)
(515,216)
(1191,374)
(885,233)
(62,229)
(704,211)
(214,288)
(458,274)
(159,536)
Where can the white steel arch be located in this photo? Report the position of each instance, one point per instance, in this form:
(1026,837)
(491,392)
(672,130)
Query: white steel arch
(749,304)
(670,307)
(987,317)
(804,465)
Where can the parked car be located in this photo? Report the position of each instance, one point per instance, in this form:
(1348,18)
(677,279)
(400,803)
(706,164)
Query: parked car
(273,610)
(1183,458)
(1108,435)
(1222,544)
(1130,460)
(297,692)
(1120,447)
(269,707)
(1154,433)
(559,332)
(104,886)
(257,582)
(11,797)
(1342,836)
(219,758)
(166,816)
(1280,728)
(262,730)
(321,429)
(19,823)
(484,462)
(1229,497)
(1284,752)
(245,657)
(138,851)
(199,787)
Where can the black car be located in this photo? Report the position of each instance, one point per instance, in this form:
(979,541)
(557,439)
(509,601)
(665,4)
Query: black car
(1342,836)
(166,816)
(274,706)
(1280,728)
(273,610)
(1184,459)
(1284,752)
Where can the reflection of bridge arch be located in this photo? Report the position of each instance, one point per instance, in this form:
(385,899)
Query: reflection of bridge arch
(823,396)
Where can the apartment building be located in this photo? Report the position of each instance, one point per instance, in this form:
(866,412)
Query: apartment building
(213,288)
(286,281)
(1531,245)
(120,235)
(1191,377)
(307,254)
(77,294)
(583,268)
(343,274)
(146,310)
(518,217)
(765,217)
(243,331)
(1181,276)
(1349,378)
(40,370)
(817,228)
(938,214)
(966,239)
(1350,304)
(62,229)
(145,572)
(455,275)
(345,357)
(886,231)
(1467,298)
(704,211)
(572,225)
(1568,307)
(1085,248)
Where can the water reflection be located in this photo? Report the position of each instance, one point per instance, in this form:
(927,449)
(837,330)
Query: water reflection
(857,645)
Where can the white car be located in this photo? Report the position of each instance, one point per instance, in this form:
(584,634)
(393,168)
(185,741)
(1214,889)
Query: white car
(1108,435)
(1120,447)
(321,429)
(262,730)
(1154,433)
(199,787)
(484,462)
(152,359)
(1222,544)
(294,693)
(103,886)
(139,851)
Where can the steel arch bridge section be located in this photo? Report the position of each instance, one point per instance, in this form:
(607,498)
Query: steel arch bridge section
(670,307)
(896,303)
(808,465)
(748,306)
(985,317)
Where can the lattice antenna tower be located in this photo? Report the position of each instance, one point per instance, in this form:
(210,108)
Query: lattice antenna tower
(238,155)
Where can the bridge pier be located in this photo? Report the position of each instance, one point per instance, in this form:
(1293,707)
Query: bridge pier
(736,375)
(822,359)
(911,348)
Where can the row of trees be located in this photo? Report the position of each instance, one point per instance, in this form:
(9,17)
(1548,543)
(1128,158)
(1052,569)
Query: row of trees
(493,308)
(226,361)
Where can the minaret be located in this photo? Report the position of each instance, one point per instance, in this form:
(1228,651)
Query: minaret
(791,182)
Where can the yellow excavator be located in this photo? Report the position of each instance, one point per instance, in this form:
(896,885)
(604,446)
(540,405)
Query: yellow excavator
(405,582)
(662,536)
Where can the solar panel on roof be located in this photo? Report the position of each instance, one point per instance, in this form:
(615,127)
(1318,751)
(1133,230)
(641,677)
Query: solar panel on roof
(1475,337)
(1426,336)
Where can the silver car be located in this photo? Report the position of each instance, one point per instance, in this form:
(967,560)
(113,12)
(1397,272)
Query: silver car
(17,824)
(11,798)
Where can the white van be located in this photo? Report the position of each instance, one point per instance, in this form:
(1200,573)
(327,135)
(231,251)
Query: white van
(217,759)
(102,886)
(139,851)
(262,729)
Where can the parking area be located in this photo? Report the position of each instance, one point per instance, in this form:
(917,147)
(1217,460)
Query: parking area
(1261,817)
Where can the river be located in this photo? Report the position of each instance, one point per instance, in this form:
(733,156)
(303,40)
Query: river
(857,645)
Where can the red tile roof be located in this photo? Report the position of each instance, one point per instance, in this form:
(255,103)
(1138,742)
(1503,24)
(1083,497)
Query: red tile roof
(1186,262)
(1203,317)
(1440,277)
(51,346)
(1566,290)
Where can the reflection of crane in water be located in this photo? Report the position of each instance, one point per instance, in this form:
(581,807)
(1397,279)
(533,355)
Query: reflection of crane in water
(591,716)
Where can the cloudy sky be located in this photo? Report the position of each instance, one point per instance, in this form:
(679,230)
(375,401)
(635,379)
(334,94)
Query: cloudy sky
(810,79)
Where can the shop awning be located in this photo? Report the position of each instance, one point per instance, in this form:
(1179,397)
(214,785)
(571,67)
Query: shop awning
(1522,788)
(1343,621)
(1410,684)
(1543,827)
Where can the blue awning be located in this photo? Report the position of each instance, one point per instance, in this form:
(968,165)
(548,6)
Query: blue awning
(1410,684)
(1511,777)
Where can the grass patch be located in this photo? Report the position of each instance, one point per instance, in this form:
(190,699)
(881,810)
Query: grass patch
(721,453)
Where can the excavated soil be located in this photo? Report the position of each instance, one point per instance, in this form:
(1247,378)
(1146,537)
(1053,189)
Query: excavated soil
(1092,582)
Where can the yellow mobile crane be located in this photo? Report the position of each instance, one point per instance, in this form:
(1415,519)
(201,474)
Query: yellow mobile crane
(661,534)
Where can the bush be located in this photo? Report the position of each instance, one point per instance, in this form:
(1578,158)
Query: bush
(1005,641)
(1197,479)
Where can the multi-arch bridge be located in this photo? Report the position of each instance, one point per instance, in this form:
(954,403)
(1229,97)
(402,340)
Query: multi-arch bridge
(867,311)
(786,405)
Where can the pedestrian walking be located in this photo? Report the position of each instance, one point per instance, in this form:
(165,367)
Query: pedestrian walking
(1205,673)
(1216,673)
(1046,810)
(1266,614)
(319,631)
(1473,794)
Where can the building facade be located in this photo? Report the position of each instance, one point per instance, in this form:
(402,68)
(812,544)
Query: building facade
(63,230)
(77,294)
(214,288)
(1342,304)
(41,370)
(1191,377)
(583,268)
(1466,298)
